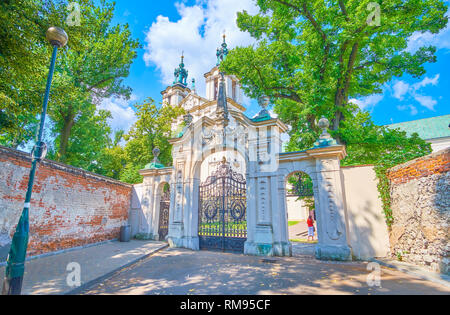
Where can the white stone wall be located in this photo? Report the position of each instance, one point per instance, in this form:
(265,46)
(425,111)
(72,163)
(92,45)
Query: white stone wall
(367,229)
(296,209)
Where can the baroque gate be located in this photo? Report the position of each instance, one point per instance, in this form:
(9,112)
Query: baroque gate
(164,214)
(222,210)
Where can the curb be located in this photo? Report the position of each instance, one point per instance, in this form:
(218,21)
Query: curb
(108,275)
(425,275)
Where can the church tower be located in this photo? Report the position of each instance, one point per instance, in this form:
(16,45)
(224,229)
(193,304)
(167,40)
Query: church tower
(232,86)
(223,93)
(174,94)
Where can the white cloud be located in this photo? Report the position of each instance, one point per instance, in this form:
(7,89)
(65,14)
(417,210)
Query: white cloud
(400,89)
(440,40)
(412,108)
(123,115)
(427,81)
(198,33)
(426,101)
(368,102)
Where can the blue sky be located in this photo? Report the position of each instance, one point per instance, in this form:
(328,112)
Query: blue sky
(166,28)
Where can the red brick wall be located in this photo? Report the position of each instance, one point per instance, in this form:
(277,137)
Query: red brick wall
(70,207)
(437,163)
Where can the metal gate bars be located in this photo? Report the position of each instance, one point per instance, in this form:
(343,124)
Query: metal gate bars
(164,207)
(222,210)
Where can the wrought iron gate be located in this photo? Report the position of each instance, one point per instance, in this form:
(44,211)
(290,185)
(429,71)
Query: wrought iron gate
(164,207)
(222,210)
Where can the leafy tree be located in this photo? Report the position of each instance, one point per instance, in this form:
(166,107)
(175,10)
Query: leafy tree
(90,72)
(152,129)
(24,59)
(112,159)
(311,57)
(89,137)
(368,143)
(91,67)
(302,186)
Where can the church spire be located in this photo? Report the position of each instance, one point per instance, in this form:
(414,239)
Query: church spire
(222,52)
(222,107)
(181,73)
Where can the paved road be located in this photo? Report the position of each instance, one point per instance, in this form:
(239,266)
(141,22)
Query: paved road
(185,272)
(49,275)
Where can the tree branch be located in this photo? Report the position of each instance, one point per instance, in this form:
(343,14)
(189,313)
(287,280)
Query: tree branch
(305,12)
(343,9)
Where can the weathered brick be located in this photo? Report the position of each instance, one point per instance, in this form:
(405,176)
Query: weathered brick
(420,202)
(70,207)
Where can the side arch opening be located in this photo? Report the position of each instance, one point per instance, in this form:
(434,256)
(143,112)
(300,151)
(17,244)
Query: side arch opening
(301,212)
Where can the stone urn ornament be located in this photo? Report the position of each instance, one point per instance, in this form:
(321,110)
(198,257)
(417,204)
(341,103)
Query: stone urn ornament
(264,114)
(156,163)
(156,152)
(324,124)
(264,101)
(325,138)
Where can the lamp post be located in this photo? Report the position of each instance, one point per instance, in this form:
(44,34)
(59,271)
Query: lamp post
(12,284)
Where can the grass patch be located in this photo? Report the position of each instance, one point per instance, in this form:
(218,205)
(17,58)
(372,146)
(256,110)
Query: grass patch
(300,240)
(291,223)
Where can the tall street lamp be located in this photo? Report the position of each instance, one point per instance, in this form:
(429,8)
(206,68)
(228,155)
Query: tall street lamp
(12,285)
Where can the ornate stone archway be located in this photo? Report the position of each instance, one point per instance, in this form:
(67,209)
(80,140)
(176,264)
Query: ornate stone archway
(218,124)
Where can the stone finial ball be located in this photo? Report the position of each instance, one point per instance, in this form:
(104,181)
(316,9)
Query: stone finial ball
(324,123)
(57,36)
(264,101)
(156,151)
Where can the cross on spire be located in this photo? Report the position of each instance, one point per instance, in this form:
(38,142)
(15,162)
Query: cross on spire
(223,51)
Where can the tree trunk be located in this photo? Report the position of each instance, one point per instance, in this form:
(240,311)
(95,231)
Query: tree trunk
(64,137)
(341,98)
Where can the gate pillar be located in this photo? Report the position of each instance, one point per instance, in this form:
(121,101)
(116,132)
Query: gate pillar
(330,212)
(266,224)
(154,179)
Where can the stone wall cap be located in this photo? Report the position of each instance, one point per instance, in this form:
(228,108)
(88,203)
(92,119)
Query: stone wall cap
(433,155)
(60,166)
(157,171)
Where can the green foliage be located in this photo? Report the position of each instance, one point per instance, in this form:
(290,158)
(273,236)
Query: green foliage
(89,72)
(368,143)
(309,203)
(92,66)
(302,184)
(311,57)
(130,174)
(23,59)
(152,129)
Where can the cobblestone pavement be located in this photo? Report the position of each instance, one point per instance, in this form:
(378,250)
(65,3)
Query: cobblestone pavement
(185,272)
